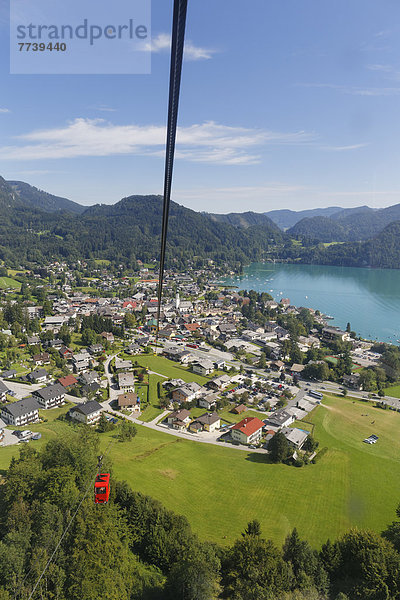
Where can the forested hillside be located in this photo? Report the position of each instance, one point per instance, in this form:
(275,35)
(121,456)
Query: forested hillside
(36,198)
(130,230)
(133,548)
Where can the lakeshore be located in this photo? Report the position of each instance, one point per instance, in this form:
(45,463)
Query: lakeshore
(367,298)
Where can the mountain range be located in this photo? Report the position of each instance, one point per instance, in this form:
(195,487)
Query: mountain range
(37,226)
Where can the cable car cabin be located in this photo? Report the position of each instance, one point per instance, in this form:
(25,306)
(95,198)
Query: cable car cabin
(102,488)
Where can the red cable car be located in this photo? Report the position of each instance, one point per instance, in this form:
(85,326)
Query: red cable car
(102,488)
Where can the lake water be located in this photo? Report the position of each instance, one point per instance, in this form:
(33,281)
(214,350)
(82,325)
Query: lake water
(367,298)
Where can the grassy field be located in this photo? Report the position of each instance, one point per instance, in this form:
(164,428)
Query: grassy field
(8,282)
(170,369)
(221,489)
(393,391)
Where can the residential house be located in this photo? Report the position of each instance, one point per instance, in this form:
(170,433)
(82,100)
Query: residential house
(66,353)
(95,349)
(81,362)
(133,349)
(89,377)
(68,382)
(280,418)
(21,412)
(42,359)
(208,401)
(88,412)
(122,364)
(218,383)
(34,340)
(295,437)
(108,336)
(352,381)
(203,367)
(179,419)
(247,431)
(38,376)
(187,392)
(126,382)
(129,400)
(57,344)
(10,374)
(50,396)
(209,422)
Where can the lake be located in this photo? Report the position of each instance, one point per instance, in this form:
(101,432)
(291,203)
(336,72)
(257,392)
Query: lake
(367,298)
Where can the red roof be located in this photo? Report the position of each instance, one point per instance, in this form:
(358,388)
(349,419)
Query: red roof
(131,303)
(68,380)
(249,425)
(192,326)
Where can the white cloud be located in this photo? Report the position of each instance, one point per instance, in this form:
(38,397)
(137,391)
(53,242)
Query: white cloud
(162,43)
(344,148)
(5,110)
(206,142)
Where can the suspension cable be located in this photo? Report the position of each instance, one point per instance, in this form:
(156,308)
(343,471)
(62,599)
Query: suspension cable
(178,39)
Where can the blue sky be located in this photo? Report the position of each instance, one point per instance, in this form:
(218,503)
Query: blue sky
(290,104)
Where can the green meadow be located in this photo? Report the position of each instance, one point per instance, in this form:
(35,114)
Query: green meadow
(220,489)
(8,282)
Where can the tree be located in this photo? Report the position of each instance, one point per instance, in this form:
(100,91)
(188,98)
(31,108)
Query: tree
(369,566)
(127,431)
(278,448)
(254,570)
(310,444)
(253,528)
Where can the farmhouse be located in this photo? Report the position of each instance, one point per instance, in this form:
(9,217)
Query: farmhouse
(21,413)
(247,431)
(88,412)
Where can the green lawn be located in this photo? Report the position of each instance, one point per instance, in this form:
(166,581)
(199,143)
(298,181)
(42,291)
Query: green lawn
(8,282)
(170,369)
(393,391)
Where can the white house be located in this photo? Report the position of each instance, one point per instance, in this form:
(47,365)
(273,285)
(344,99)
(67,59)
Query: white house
(126,382)
(50,396)
(203,367)
(88,412)
(247,431)
(21,413)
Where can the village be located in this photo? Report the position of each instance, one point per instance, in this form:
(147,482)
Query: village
(214,375)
